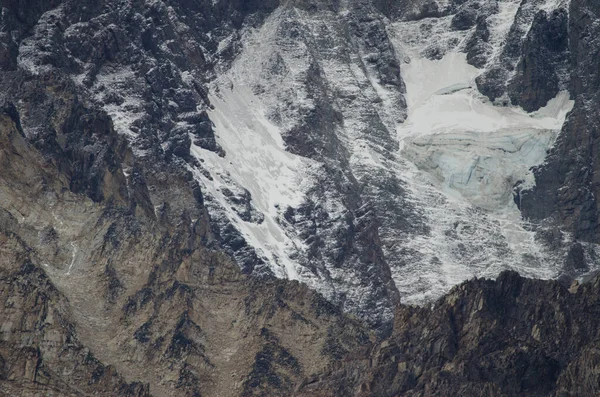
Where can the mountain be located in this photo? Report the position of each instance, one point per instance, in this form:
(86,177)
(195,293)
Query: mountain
(229,198)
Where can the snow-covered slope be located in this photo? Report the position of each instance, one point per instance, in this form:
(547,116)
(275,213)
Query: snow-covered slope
(372,153)
(468,156)
(275,89)
(256,162)
(311,114)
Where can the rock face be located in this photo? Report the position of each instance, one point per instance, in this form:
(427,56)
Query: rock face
(567,183)
(231,198)
(544,61)
(512,336)
(39,343)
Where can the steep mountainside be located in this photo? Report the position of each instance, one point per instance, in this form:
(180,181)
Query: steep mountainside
(233,198)
(509,337)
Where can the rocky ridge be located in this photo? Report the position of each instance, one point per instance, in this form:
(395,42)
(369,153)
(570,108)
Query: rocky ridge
(511,336)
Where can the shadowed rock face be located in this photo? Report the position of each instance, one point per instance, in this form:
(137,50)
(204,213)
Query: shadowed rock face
(512,336)
(544,58)
(120,275)
(566,185)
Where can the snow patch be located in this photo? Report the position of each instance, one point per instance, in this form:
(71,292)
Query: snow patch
(257,161)
(500,25)
(131,108)
(552,5)
(74,250)
(425,78)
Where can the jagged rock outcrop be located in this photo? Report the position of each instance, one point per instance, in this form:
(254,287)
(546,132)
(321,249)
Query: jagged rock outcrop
(508,337)
(543,65)
(89,278)
(40,353)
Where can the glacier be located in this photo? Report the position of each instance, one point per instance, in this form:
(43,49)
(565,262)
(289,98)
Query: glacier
(468,155)
(458,156)
(475,148)
(342,174)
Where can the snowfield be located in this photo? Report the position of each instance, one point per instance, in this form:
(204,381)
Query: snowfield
(257,161)
(457,156)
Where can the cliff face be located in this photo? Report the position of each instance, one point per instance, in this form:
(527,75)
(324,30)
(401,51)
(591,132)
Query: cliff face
(508,337)
(567,184)
(40,349)
(167,167)
(112,271)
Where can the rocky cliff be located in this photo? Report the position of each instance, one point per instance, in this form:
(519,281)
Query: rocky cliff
(509,337)
(567,182)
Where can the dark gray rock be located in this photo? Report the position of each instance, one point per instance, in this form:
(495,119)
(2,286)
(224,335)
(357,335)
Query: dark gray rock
(466,17)
(494,80)
(566,185)
(543,63)
(460,346)
(241,202)
(576,258)
(477,46)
